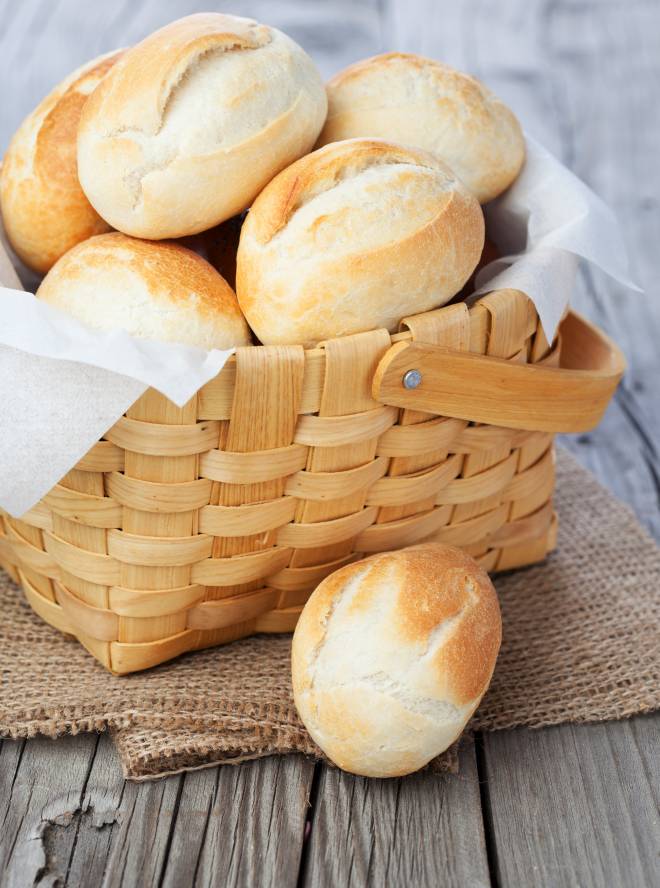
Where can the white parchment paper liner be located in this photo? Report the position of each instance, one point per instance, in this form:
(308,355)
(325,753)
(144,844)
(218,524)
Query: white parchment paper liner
(60,385)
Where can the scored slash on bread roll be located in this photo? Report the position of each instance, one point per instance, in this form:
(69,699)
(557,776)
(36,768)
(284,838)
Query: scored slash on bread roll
(417,101)
(194,121)
(45,211)
(354,237)
(392,655)
(158,291)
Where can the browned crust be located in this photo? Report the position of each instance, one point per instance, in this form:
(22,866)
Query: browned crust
(137,93)
(433,583)
(55,156)
(169,271)
(44,208)
(320,171)
(468,87)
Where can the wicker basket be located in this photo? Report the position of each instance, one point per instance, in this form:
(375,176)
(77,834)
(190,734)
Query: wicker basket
(189,527)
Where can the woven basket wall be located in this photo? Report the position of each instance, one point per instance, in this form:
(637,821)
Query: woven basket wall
(188,527)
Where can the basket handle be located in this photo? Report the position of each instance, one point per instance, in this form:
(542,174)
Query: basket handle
(478,388)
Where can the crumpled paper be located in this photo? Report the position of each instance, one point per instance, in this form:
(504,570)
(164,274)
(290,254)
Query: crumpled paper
(62,385)
(543,223)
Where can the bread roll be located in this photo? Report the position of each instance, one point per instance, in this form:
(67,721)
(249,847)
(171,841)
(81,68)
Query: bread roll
(153,291)
(44,209)
(392,655)
(194,121)
(354,237)
(416,101)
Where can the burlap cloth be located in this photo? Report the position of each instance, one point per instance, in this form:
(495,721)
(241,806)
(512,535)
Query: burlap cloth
(581,643)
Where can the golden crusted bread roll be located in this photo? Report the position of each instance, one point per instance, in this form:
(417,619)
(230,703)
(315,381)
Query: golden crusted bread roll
(354,237)
(44,209)
(159,291)
(417,101)
(194,121)
(392,655)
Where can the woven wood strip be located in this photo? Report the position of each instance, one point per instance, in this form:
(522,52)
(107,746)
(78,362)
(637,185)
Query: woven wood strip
(297,579)
(416,440)
(403,532)
(157,496)
(103,457)
(339,431)
(129,548)
(333,485)
(422,485)
(229,611)
(137,569)
(158,439)
(255,467)
(232,570)
(85,508)
(267,396)
(153,602)
(235,521)
(346,405)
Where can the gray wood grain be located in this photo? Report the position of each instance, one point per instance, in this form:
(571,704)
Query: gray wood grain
(588,817)
(42,784)
(68,818)
(241,825)
(422,830)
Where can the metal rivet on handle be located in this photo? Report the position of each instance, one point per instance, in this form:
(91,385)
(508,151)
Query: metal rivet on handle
(412,379)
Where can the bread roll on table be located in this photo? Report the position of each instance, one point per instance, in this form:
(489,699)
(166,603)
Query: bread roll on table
(354,237)
(392,655)
(417,101)
(158,291)
(44,209)
(194,121)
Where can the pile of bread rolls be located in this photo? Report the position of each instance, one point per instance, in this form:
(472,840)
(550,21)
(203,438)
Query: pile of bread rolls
(128,187)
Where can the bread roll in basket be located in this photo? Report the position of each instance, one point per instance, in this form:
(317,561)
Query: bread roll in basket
(191,526)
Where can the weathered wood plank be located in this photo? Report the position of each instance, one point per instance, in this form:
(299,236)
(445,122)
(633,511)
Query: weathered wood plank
(137,819)
(586,816)
(241,825)
(42,783)
(422,830)
(68,818)
(611,141)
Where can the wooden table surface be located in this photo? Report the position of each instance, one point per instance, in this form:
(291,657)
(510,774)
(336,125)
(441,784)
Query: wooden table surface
(564,806)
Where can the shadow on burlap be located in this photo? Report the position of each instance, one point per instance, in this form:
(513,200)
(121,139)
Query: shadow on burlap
(581,644)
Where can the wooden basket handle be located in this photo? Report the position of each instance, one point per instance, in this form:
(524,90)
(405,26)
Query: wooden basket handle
(568,398)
